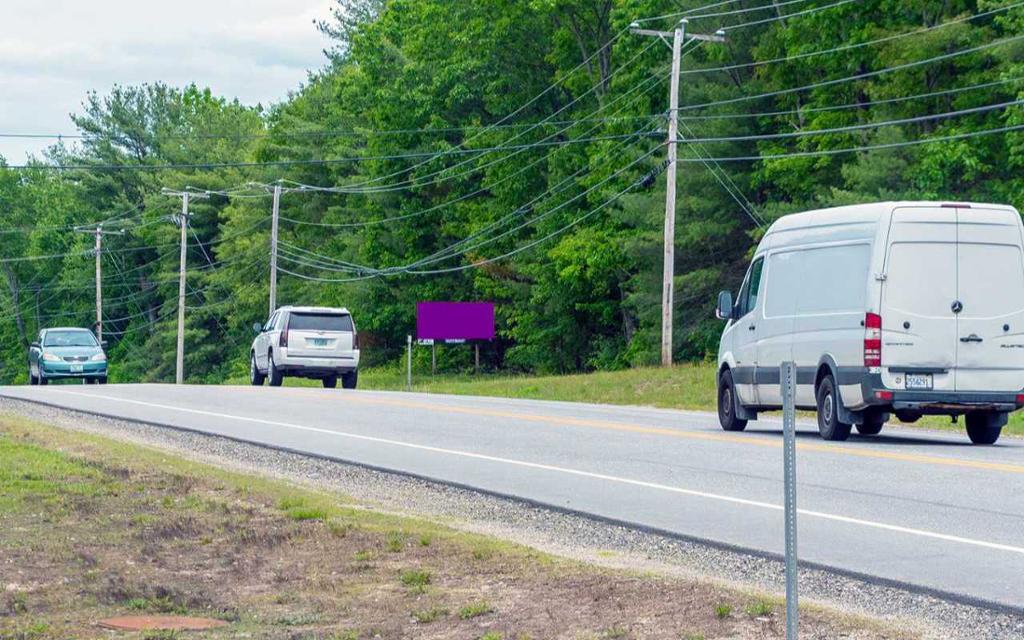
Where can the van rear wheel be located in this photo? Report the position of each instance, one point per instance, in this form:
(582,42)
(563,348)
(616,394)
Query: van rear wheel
(984,427)
(330,382)
(727,404)
(828,412)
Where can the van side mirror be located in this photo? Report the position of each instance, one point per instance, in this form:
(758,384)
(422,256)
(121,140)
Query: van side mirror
(257,328)
(724,310)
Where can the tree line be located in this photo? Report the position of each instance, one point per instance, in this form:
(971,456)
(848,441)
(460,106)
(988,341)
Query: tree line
(508,151)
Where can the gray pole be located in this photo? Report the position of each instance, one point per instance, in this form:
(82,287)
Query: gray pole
(179,369)
(668,276)
(273,249)
(99,284)
(408,371)
(787,376)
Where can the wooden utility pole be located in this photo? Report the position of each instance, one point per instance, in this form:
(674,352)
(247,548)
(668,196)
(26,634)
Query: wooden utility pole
(273,249)
(679,36)
(182,221)
(98,232)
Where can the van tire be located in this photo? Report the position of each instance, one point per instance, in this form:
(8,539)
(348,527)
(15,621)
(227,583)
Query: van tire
(727,403)
(350,380)
(274,375)
(984,427)
(829,425)
(330,382)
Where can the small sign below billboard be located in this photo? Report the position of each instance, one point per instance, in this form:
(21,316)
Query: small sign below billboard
(455,322)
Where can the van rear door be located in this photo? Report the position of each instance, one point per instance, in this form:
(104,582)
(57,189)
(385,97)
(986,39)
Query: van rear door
(990,326)
(919,326)
(321,334)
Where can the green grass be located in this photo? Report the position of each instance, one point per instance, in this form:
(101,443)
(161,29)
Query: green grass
(416,579)
(427,616)
(475,610)
(688,386)
(723,611)
(760,609)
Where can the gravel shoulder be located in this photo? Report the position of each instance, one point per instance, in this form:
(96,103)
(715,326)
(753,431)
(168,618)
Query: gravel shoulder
(572,536)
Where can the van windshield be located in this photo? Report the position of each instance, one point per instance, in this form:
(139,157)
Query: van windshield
(320,322)
(69,339)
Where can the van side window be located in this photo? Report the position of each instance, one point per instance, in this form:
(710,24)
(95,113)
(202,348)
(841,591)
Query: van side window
(755,284)
(747,299)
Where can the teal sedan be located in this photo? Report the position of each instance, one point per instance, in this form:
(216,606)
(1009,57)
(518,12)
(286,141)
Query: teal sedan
(62,354)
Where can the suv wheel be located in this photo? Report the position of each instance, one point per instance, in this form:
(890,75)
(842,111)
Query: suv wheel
(828,412)
(727,401)
(256,378)
(984,427)
(350,380)
(273,373)
(330,382)
(32,380)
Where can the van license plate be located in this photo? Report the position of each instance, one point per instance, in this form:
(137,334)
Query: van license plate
(919,381)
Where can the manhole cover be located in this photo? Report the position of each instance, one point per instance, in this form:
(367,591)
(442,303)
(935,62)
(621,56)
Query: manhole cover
(169,623)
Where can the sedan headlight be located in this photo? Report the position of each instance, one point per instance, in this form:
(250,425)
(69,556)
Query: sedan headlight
(99,357)
(51,357)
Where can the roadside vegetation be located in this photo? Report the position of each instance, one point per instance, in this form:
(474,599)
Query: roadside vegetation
(688,386)
(92,528)
(526,214)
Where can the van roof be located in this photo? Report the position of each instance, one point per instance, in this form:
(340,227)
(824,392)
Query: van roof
(870,212)
(338,310)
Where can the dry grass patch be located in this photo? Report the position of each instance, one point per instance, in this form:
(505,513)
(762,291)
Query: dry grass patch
(91,528)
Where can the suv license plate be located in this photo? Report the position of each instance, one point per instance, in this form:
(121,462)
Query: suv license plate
(76,368)
(920,381)
(318,342)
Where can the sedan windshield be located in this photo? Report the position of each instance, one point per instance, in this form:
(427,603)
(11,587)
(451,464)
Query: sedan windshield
(69,339)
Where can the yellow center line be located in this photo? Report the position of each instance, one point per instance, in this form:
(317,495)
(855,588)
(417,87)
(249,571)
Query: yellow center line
(628,427)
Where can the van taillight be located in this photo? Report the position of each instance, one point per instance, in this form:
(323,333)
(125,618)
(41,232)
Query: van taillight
(872,340)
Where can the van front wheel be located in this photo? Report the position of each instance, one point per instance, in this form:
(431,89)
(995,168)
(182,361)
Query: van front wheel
(984,427)
(727,404)
(828,412)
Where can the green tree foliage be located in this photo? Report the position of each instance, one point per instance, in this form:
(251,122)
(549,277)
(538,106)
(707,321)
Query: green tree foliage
(507,151)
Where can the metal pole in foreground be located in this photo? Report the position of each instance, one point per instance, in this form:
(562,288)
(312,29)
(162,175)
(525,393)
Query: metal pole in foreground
(408,371)
(99,284)
(787,378)
(273,249)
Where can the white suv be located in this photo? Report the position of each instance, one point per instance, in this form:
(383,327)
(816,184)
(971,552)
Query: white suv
(306,342)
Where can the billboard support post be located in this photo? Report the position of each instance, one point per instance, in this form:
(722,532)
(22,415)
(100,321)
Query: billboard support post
(433,359)
(477,349)
(408,370)
(787,378)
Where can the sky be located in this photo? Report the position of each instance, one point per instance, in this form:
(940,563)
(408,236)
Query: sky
(52,52)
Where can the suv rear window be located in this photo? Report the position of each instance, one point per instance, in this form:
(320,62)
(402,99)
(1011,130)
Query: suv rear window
(319,322)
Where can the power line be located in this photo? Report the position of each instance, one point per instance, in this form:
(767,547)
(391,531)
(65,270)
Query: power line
(848,47)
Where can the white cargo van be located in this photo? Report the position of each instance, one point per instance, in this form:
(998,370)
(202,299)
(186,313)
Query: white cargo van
(912,308)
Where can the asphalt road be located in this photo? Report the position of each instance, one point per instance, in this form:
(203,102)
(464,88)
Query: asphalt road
(919,508)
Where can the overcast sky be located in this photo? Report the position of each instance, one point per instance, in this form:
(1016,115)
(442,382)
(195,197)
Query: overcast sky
(54,51)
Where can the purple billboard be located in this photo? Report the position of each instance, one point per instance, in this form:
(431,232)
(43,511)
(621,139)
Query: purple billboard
(455,321)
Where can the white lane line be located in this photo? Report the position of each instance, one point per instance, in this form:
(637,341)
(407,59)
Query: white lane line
(567,471)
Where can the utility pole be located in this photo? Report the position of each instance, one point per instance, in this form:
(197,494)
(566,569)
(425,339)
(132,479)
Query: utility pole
(98,232)
(273,249)
(182,221)
(678,36)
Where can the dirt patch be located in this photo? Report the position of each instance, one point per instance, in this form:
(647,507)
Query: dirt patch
(281,562)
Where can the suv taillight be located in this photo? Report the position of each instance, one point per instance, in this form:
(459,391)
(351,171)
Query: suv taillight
(283,342)
(355,341)
(872,340)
